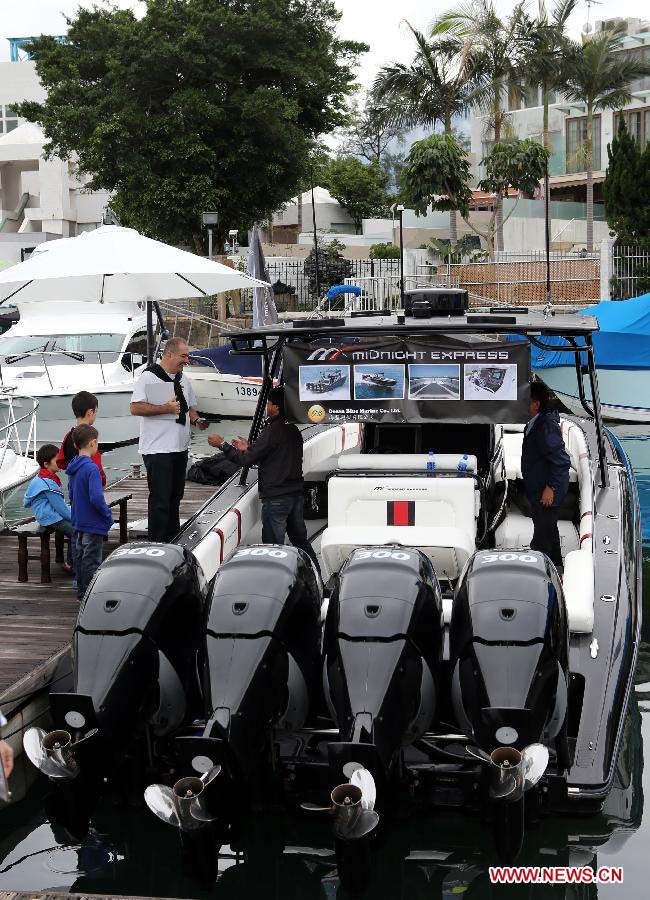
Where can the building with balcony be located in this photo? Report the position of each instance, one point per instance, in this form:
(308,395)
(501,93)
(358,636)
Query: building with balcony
(568,124)
(39,199)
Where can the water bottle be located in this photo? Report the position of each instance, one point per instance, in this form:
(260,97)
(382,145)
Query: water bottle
(431,464)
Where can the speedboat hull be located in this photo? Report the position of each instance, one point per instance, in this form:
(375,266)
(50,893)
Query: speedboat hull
(623,392)
(224,396)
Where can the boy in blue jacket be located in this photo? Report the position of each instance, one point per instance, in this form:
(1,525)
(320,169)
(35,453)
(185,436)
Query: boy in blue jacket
(45,496)
(91,517)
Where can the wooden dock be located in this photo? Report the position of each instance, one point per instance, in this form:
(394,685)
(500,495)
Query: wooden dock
(36,620)
(53,895)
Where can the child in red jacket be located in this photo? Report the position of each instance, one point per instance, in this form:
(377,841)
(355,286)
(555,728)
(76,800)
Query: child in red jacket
(84,406)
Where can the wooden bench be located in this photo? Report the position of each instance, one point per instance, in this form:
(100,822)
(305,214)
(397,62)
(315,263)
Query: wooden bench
(33,530)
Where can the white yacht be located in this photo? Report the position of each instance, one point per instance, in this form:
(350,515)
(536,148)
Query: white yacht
(58,349)
(17,462)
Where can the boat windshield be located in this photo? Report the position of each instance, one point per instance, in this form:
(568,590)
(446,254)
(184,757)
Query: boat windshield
(23,344)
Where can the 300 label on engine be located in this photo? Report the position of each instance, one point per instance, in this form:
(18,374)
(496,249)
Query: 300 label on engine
(509,557)
(138,551)
(382,554)
(261,551)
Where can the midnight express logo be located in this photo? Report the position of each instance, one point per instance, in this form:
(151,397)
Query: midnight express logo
(370,354)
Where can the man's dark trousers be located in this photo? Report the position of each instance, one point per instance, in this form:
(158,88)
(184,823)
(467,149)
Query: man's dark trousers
(285,515)
(546,537)
(166,482)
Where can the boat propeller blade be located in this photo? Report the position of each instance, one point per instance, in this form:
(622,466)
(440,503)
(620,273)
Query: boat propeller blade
(479,754)
(160,800)
(515,772)
(184,805)
(535,761)
(363,779)
(352,804)
(51,753)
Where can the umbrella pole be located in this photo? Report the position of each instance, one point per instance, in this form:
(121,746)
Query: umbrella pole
(150,347)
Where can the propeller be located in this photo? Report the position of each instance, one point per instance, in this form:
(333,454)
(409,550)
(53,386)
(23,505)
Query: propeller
(353,804)
(183,806)
(513,772)
(53,753)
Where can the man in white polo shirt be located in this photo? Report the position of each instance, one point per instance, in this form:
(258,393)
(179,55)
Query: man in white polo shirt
(164,398)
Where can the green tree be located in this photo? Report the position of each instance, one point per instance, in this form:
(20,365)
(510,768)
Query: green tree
(599,75)
(370,133)
(359,188)
(626,190)
(437,85)
(494,44)
(198,104)
(437,174)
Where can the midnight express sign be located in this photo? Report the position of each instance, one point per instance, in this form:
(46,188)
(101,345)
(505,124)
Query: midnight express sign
(407,381)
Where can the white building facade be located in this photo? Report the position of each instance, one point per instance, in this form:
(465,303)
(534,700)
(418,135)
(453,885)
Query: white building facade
(568,125)
(39,199)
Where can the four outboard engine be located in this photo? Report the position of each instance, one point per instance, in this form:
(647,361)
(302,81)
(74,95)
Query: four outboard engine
(509,650)
(383,647)
(261,653)
(134,654)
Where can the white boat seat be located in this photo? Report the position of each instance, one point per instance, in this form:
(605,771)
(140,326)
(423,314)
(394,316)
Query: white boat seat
(435,515)
(408,462)
(511,444)
(516,531)
(447,548)
(578,584)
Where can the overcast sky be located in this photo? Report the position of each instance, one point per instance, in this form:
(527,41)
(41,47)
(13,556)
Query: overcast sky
(380,23)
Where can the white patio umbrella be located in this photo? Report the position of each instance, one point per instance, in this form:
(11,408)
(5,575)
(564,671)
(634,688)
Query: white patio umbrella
(113,264)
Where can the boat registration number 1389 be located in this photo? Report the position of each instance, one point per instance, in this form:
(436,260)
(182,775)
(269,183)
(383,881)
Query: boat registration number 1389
(247,391)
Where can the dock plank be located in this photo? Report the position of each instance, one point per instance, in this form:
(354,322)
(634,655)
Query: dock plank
(37,620)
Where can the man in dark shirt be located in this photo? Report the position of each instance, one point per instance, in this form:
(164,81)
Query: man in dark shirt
(277,453)
(545,468)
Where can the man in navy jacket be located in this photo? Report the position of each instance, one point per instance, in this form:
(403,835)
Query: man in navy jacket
(545,468)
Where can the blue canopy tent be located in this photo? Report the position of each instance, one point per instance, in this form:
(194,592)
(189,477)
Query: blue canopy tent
(623,341)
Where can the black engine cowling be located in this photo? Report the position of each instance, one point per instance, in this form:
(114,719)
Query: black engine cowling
(135,644)
(509,650)
(262,650)
(383,647)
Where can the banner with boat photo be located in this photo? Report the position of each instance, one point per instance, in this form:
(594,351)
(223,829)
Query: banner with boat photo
(409,380)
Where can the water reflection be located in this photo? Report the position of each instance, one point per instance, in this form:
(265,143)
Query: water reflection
(434,856)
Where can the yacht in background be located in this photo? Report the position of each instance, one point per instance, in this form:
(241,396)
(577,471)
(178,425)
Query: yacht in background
(17,454)
(226,386)
(622,348)
(57,349)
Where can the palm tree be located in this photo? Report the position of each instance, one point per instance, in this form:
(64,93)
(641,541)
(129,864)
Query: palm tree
(598,75)
(494,43)
(437,85)
(545,47)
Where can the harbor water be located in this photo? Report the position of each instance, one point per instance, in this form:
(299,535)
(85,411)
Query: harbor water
(289,857)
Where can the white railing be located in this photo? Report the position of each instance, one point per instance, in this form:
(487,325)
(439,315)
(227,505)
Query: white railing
(10,432)
(383,292)
(626,271)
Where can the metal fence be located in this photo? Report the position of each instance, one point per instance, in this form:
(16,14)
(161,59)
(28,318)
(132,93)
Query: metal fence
(298,277)
(629,272)
(383,292)
(521,278)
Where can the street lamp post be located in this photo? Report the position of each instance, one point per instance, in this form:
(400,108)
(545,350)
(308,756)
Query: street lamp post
(400,210)
(208,219)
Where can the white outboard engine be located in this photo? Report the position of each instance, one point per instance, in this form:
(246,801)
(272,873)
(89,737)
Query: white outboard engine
(509,644)
(383,647)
